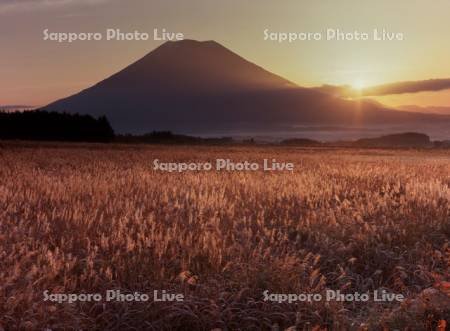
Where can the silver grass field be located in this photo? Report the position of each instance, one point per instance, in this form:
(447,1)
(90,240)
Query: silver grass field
(91,218)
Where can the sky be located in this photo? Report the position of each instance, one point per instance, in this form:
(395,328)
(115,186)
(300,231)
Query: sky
(36,72)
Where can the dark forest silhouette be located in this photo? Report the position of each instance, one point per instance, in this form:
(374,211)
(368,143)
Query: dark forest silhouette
(52,126)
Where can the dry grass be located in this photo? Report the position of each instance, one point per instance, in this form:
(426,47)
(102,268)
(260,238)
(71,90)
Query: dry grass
(83,219)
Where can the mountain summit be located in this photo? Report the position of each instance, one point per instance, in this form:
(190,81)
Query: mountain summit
(194,67)
(199,87)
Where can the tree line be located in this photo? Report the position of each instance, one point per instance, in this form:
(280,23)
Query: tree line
(53,126)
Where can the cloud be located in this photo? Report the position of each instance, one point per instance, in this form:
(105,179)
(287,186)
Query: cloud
(409,87)
(347,91)
(7,6)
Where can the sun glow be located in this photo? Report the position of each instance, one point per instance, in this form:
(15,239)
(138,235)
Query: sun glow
(359,85)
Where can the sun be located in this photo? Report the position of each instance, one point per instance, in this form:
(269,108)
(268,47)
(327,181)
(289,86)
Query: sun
(359,84)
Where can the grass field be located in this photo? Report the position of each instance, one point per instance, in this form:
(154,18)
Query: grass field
(91,218)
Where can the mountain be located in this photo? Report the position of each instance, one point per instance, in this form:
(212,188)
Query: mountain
(202,87)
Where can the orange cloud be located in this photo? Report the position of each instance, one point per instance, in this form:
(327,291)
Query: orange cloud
(347,91)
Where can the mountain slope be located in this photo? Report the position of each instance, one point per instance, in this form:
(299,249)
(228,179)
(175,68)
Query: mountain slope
(198,87)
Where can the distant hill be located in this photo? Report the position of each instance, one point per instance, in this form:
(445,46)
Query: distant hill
(429,109)
(409,139)
(193,87)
